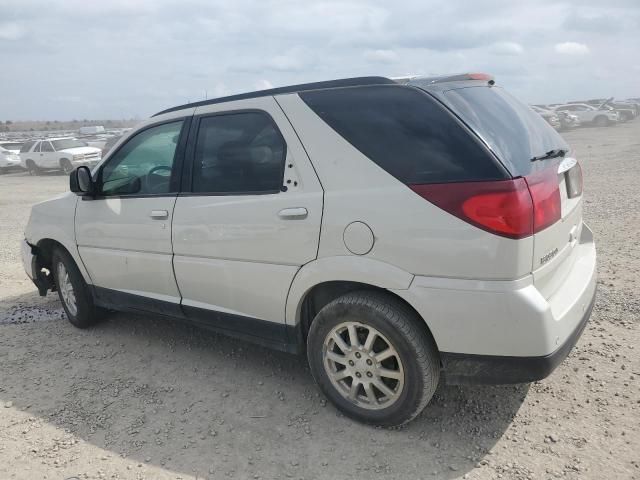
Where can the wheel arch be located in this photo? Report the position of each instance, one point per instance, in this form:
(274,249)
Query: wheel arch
(320,282)
(43,250)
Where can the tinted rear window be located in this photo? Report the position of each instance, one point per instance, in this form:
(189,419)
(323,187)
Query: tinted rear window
(406,132)
(512,130)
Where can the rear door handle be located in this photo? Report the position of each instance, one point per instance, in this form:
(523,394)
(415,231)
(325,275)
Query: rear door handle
(159,214)
(293,213)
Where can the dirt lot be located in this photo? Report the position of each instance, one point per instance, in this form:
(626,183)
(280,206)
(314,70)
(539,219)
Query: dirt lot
(138,397)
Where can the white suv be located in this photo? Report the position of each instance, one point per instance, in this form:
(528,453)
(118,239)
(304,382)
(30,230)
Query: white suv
(399,233)
(57,154)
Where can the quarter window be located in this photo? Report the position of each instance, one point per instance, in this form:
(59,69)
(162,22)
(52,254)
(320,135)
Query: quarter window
(26,146)
(143,165)
(238,153)
(405,132)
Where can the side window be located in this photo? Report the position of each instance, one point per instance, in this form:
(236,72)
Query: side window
(26,146)
(238,153)
(46,147)
(37,147)
(143,165)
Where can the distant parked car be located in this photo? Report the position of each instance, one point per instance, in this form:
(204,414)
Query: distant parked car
(109,144)
(568,120)
(550,116)
(588,114)
(13,147)
(57,154)
(626,111)
(91,130)
(8,160)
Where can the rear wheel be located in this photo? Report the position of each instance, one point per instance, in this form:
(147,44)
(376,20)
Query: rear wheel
(66,165)
(73,291)
(32,168)
(601,121)
(372,357)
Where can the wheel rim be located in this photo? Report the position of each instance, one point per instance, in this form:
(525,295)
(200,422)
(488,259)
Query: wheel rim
(67,167)
(66,289)
(363,365)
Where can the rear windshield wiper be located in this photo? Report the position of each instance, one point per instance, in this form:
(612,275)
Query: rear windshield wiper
(556,152)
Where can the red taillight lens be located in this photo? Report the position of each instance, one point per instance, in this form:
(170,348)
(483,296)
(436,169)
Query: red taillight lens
(502,207)
(545,194)
(514,208)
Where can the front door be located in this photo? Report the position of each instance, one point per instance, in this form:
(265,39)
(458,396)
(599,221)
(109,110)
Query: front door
(124,233)
(248,219)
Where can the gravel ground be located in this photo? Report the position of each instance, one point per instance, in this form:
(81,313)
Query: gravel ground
(138,397)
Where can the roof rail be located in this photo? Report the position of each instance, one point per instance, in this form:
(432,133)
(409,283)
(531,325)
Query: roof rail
(345,82)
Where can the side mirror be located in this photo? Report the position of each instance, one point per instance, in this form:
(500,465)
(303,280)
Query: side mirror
(80,181)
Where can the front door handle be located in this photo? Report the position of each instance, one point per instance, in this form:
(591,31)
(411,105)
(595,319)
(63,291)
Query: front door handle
(159,214)
(293,213)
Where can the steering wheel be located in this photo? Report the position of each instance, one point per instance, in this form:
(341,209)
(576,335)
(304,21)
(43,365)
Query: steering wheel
(154,183)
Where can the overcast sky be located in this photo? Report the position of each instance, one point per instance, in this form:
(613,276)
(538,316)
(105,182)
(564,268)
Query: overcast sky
(64,59)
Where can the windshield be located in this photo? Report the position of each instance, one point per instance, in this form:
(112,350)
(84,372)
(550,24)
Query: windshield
(65,143)
(514,132)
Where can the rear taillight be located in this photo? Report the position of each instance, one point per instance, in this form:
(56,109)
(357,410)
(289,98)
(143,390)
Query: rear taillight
(514,208)
(545,194)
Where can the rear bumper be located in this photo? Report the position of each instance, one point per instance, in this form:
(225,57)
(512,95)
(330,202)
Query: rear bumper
(461,369)
(507,331)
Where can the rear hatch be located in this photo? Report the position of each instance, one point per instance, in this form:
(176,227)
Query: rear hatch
(531,149)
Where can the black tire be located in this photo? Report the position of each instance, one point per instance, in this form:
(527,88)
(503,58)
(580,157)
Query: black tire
(66,165)
(32,168)
(405,332)
(86,313)
(601,121)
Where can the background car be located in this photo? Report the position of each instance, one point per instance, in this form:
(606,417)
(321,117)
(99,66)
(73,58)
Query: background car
(588,114)
(57,154)
(551,117)
(8,160)
(13,147)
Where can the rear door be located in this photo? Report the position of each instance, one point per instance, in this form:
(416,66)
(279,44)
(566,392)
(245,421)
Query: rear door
(248,218)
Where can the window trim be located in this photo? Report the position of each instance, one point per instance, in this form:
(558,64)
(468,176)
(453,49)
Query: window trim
(176,170)
(188,170)
(53,150)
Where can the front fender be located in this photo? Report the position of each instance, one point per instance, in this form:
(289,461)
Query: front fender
(54,220)
(342,268)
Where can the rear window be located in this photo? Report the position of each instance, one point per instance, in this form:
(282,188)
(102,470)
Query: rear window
(406,132)
(512,130)
(26,146)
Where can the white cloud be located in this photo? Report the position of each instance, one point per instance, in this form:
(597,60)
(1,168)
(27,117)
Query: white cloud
(381,56)
(507,48)
(572,48)
(11,31)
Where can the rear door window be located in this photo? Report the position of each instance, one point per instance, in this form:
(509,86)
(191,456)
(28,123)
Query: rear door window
(406,132)
(238,153)
(512,130)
